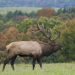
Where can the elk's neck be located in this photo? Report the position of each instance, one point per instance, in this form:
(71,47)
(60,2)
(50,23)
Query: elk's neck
(45,49)
(48,49)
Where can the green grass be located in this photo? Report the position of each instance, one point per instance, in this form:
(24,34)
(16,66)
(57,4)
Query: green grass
(4,10)
(48,69)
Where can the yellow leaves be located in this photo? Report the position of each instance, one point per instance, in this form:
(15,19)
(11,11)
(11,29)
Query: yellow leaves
(67,26)
(70,26)
(67,29)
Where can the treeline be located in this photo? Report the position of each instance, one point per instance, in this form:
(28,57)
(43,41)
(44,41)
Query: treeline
(15,26)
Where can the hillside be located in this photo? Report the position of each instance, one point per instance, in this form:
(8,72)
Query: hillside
(37,3)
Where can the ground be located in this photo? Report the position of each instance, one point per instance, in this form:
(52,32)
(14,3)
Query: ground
(48,69)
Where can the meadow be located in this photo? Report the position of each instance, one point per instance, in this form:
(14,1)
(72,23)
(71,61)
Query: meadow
(48,69)
(5,10)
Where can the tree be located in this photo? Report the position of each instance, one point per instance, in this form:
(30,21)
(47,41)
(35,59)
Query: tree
(50,23)
(68,39)
(46,12)
(12,34)
(23,26)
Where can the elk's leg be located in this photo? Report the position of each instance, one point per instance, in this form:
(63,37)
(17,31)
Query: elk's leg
(34,61)
(5,62)
(39,62)
(12,61)
(8,58)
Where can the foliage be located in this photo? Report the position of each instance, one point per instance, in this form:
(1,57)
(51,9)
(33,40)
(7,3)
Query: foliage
(66,13)
(68,39)
(18,25)
(23,26)
(46,12)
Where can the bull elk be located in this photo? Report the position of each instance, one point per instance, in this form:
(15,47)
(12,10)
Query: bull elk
(33,49)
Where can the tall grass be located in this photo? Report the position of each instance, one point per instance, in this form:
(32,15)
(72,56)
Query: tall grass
(48,69)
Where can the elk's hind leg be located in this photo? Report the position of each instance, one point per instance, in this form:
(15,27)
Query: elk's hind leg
(5,62)
(12,61)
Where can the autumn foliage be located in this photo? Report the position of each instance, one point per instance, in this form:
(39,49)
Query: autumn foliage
(24,27)
(46,12)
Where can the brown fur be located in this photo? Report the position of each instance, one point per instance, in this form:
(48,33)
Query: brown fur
(33,49)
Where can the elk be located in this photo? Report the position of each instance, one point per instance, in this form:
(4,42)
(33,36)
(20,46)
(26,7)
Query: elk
(36,50)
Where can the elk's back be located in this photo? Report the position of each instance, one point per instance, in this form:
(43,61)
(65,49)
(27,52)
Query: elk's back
(25,47)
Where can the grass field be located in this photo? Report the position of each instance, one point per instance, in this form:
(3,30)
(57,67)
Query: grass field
(4,10)
(48,69)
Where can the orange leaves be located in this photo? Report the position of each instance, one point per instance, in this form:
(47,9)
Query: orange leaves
(46,12)
(3,40)
(12,31)
(11,34)
(2,37)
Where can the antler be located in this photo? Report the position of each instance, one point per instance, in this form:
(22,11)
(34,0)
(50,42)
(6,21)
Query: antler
(58,35)
(45,31)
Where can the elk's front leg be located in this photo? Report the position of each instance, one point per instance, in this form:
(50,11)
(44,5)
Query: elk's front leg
(39,62)
(34,62)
